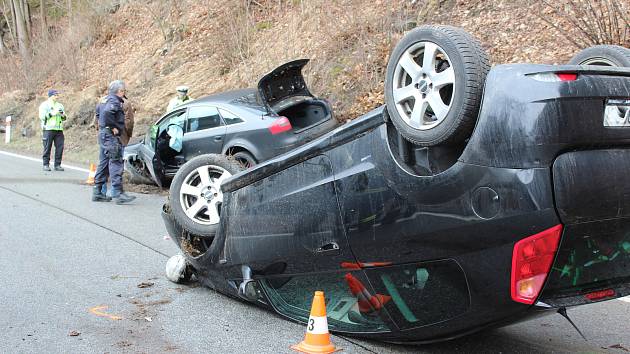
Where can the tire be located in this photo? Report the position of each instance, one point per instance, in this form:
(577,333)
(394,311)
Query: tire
(458,64)
(245,159)
(137,176)
(603,55)
(188,188)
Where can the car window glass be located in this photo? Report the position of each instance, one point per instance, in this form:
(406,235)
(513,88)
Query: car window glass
(229,117)
(202,117)
(176,117)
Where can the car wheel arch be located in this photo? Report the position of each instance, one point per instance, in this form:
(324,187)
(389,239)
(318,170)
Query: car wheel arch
(231,149)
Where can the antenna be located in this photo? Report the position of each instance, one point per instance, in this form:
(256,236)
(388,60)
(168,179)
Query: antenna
(563,311)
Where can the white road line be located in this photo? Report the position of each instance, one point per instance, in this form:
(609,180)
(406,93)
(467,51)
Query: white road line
(40,161)
(624,299)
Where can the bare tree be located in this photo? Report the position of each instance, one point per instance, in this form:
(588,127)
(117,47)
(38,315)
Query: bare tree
(20,18)
(27,17)
(44,22)
(3,49)
(590,22)
(9,24)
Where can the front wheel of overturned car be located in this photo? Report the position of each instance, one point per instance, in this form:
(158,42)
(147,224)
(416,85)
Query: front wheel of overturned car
(602,55)
(196,195)
(434,84)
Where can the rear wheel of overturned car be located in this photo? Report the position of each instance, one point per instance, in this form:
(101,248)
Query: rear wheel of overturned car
(434,84)
(196,195)
(602,55)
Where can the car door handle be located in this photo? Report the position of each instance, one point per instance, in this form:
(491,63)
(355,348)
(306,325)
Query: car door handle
(331,246)
(218,138)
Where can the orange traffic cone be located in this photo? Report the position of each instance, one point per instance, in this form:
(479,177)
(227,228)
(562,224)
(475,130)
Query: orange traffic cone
(367,302)
(90,179)
(317,339)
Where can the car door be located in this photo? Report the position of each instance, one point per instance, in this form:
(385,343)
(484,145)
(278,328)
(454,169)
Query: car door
(156,140)
(204,132)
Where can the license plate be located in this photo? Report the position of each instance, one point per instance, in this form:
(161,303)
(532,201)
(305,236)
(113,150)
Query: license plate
(617,113)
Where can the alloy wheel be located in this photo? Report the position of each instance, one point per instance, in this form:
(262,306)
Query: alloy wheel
(200,195)
(423,85)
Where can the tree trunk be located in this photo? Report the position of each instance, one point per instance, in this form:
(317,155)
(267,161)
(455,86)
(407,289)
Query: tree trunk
(42,13)
(26,9)
(3,49)
(22,29)
(9,24)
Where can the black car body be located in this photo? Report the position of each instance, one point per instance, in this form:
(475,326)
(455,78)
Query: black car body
(257,124)
(416,244)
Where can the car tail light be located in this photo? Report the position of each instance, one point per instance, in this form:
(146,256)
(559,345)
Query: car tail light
(599,295)
(554,77)
(280,125)
(531,260)
(567,76)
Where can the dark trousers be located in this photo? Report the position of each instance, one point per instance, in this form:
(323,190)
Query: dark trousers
(48,138)
(110,161)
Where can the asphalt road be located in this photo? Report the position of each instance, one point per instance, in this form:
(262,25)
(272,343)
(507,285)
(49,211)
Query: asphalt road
(67,264)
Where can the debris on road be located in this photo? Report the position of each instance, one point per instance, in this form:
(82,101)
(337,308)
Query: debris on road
(118,277)
(145,284)
(74,333)
(619,346)
(149,319)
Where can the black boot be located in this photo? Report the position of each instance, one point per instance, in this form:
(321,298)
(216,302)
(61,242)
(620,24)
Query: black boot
(98,196)
(124,198)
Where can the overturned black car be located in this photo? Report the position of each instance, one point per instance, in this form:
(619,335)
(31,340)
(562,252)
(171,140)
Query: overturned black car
(466,202)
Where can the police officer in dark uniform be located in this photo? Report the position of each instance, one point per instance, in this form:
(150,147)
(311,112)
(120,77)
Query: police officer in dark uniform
(111,122)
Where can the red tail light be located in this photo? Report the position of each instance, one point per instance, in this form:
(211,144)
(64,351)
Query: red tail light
(282,124)
(531,261)
(567,76)
(554,77)
(600,295)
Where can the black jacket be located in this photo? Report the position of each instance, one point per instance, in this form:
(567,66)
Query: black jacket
(111,114)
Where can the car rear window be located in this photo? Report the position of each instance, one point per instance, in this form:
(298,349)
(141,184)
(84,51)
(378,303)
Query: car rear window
(229,117)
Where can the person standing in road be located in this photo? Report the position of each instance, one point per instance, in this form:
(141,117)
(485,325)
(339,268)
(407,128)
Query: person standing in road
(125,136)
(181,98)
(51,117)
(111,125)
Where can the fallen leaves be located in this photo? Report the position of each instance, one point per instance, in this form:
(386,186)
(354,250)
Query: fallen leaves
(145,284)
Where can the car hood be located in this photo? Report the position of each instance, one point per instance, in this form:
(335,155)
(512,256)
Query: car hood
(283,82)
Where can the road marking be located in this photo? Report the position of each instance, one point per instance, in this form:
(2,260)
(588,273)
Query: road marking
(70,167)
(97,311)
(624,299)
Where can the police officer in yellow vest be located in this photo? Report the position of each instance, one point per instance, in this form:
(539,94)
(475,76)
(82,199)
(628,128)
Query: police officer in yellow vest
(181,98)
(51,116)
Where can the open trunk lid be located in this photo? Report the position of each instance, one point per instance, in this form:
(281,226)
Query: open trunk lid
(592,193)
(284,82)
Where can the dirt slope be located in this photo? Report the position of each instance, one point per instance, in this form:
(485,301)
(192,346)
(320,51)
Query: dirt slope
(217,45)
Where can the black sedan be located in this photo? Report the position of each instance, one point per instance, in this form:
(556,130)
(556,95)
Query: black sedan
(467,202)
(250,125)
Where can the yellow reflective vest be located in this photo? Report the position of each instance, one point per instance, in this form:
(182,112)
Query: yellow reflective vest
(176,101)
(51,115)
